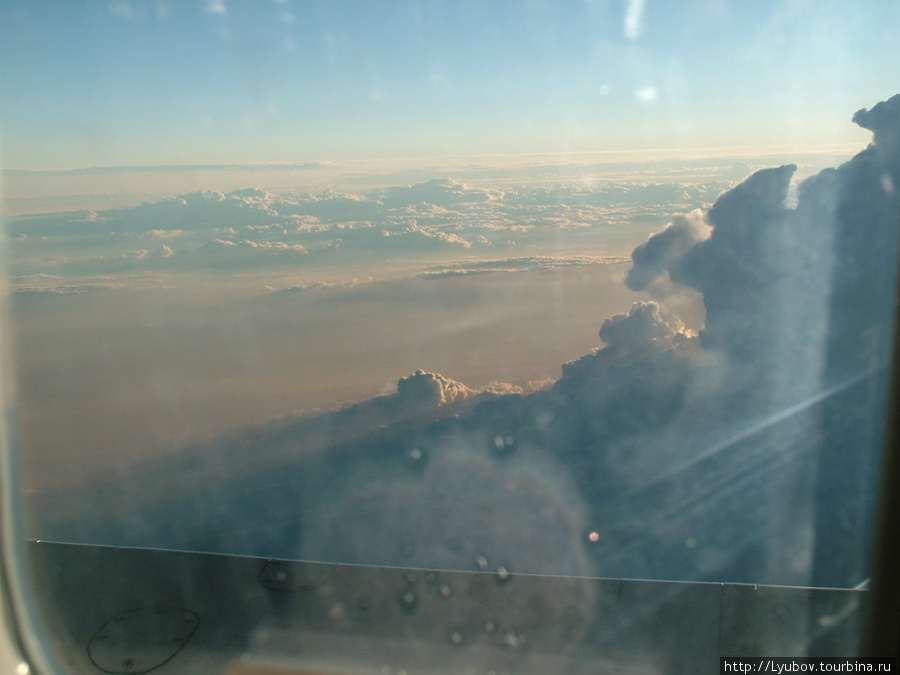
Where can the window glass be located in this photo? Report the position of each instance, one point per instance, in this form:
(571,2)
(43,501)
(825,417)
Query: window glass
(593,289)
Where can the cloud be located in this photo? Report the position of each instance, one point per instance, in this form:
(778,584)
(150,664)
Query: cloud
(336,208)
(525,264)
(25,291)
(320,286)
(437,215)
(442,192)
(798,302)
(665,249)
(743,271)
(882,121)
(164,234)
(761,268)
(642,327)
(430,390)
(229,254)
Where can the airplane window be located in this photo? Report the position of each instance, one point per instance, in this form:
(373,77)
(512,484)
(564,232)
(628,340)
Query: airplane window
(590,298)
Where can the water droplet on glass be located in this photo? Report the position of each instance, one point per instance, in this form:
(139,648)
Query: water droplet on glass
(411,578)
(431,578)
(513,640)
(408,600)
(415,458)
(490,627)
(446,591)
(503,574)
(504,444)
(456,637)
(482,563)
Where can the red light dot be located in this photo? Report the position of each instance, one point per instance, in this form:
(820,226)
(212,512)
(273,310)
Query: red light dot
(594,536)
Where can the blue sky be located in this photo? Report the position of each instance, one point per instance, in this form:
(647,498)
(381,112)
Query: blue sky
(159,83)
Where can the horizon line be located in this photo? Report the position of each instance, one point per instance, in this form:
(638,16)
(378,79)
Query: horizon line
(684,153)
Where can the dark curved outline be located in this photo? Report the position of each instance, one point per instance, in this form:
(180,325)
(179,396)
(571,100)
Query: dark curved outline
(302,589)
(137,609)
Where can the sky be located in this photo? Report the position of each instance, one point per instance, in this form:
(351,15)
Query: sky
(125,83)
(603,251)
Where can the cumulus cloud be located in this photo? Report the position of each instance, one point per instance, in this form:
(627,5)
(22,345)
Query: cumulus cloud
(441,192)
(798,302)
(437,215)
(337,208)
(882,121)
(220,246)
(430,390)
(164,234)
(643,326)
(665,249)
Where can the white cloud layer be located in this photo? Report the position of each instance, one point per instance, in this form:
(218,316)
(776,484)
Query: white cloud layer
(438,216)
